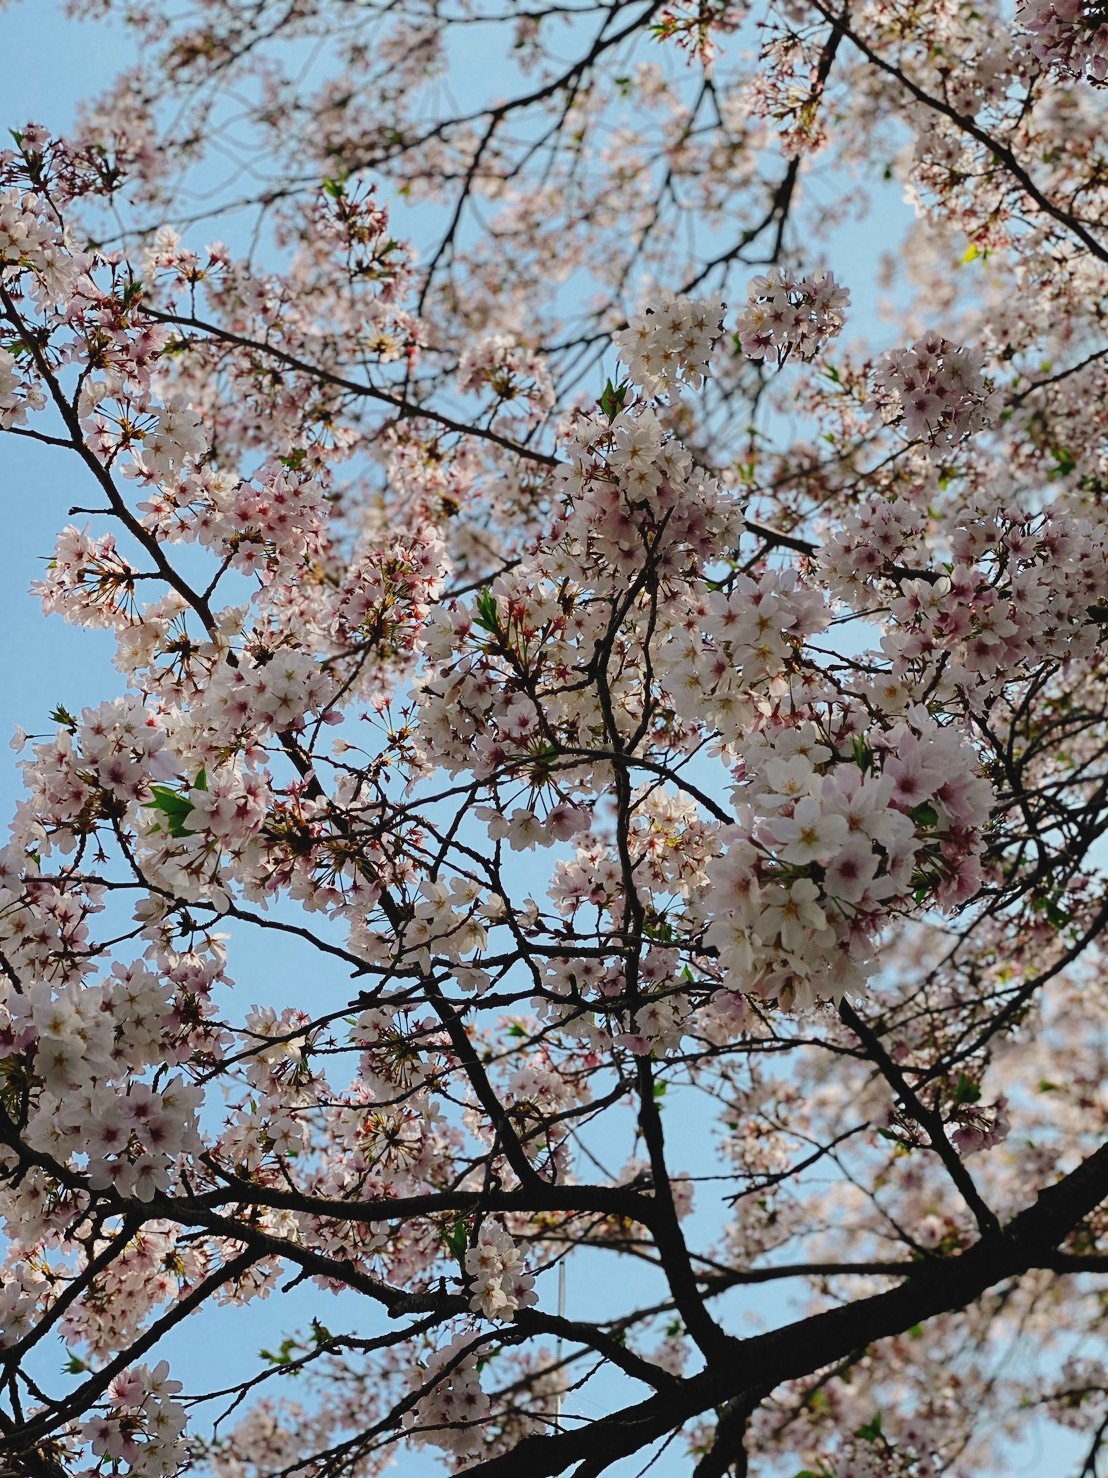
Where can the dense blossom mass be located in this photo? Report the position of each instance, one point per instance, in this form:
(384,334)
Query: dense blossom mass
(785,315)
(598,805)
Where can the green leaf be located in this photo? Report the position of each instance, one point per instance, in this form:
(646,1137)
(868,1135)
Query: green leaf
(63,716)
(660,930)
(74,1365)
(456,1240)
(1057,916)
(176,809)
(283,1355)
(966,1090)
(925,815)
(1064,462)
(170,801)
(485,613)
(335,188)
(863,754)
(613,398)
(972,253)
(870,1431)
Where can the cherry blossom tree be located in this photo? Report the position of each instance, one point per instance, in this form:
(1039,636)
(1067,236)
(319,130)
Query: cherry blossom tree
(666,720)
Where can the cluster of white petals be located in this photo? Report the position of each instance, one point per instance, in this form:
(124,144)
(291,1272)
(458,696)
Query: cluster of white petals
(980,1127)
(21,1290)
(142,1425)
(32,238)
(787,315)
(254,523)
(1019,589)
(670,344)
(824,846)
(936,390)
(1071,35)
(87,581)
(85,1043)
(449,1415)
(164,438)
(17,395)
(497,1277)
(176,437)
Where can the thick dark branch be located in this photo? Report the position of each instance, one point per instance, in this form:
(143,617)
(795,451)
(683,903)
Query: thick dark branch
(754,1367)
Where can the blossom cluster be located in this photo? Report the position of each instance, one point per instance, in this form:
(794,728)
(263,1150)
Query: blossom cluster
(142,1425)
(826,844)
(787,315)
(119,414)
(449,1415)
(17,395)
(630,494)
(980,1127)
(116,750)
(83,1045)
(149,1272)
(257,525)
(1019,591)
(882,535)
(1071,35)
(671,343)
(20,1296)
(735,641)
(33,239)
(351,225)
(87,581)
(936,389)
(391,587)
(495,1267)
(168,257)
